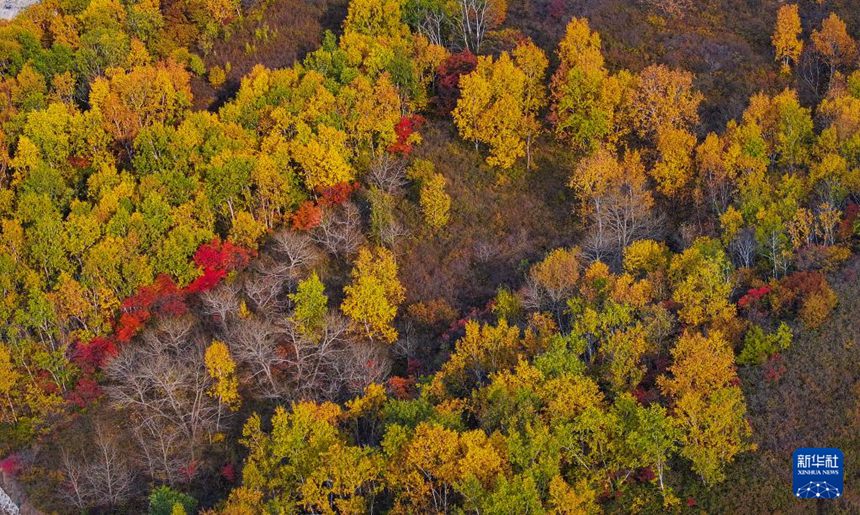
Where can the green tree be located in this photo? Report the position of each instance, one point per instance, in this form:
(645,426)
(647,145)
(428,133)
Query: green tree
(311,305)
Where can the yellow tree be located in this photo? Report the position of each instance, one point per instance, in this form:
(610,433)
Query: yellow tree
(701,282)
(583,97)
(663,98)
(323,157)
(786,43)
(371,301)
(8,379)
(674,168)
(492,110)
(533,62)
(130,101)
(709,407)
(435,201)
(834,44)
(222,370)
(557,274)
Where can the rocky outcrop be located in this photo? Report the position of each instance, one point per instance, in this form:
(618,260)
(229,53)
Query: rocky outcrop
(9,8)
(13,501)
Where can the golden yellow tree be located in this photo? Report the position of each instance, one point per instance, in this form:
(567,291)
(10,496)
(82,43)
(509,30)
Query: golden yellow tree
(372,299)
(786,43)
(435,201)
(709,407)
(834,44)
(663,98)
(674,168)
(533,62)
(491,109)
(222,369)
(584,95)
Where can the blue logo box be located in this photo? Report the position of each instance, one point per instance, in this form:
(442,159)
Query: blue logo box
(818,473)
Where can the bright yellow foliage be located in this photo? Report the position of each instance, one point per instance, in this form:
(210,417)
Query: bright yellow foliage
(674,169)
(492,109)
(786,42)
(374,295)
(435,201)
(709,406)
(222,369)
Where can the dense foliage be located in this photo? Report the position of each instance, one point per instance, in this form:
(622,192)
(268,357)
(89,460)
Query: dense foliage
(262,306)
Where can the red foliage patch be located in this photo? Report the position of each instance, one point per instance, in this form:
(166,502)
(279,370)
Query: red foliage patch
(307,216)
(217,255)
(189,471)
(753,295)
(208,280)
(774,369)
(846,226)
(337,194)
(79,161)
(228,472)
(93,355)
(86,391)
(448,79)
(402,387)
(407,126)
(10,464)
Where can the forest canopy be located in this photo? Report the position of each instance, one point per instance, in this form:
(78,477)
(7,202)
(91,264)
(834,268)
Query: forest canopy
(451,256)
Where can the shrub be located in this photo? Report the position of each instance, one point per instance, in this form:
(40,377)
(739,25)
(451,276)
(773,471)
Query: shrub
(163,499)
(759,346)
(817,307)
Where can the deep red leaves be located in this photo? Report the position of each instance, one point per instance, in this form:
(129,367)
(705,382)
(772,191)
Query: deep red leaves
(448,79)
(86,391)
(407,126)
(10,464)
(94,354)
(337,194)
(753,295)
(228,472)
(189,471)
(162,298)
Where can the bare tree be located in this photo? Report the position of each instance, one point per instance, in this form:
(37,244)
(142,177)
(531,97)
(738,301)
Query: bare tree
(254,341)
(162,450)
(74,487)
(623,217)
(388,173)
(221,302)
(475,18)
(365,362)
(162,382)
(433,24)
(264,290)
(313,363)
(294,254)
(743,248)
(340,230)
(100,475)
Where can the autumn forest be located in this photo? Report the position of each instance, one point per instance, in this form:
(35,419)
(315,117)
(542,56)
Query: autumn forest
(427,256)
